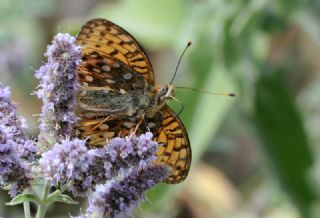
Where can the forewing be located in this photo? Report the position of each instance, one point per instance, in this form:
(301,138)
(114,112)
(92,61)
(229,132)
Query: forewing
(107,85)
(174,147)
(100,36)
(99,70)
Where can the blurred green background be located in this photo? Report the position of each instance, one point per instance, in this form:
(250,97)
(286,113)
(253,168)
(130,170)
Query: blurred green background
(256,155)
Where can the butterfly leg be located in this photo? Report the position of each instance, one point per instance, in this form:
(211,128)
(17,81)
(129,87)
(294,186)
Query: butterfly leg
(100,123)
(137,127)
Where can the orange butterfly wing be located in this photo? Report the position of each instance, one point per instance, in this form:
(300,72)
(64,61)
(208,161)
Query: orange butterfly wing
(174,144)
(108,39)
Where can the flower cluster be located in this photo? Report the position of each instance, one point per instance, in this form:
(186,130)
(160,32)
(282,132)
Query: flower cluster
(13,171)
(123,153)
(14,146)
(70,160)
(8,116)
(65,161)
(95,174)
(14,125)
(27,150)
(116,159)
(117,197)
(57,90)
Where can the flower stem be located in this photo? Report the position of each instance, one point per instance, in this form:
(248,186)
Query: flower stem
(26,208)
(42,207)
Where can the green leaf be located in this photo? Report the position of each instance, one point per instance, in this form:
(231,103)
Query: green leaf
(284,138)
(230,47)
(20,199)
(57,196)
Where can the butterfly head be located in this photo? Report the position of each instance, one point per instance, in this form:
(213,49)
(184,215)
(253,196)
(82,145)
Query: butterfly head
(165,92)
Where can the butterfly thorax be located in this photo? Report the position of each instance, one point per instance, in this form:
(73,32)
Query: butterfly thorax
(163,94)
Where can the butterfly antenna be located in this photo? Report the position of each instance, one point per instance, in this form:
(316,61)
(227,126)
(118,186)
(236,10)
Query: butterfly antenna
(181,56)
(179,102)
(206,92)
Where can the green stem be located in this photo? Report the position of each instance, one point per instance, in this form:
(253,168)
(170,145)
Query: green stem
(42,207)
(26,208)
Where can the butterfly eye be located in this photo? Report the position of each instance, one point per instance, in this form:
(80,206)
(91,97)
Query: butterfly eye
(163,91)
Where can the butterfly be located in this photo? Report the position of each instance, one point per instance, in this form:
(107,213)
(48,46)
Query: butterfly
(118,96)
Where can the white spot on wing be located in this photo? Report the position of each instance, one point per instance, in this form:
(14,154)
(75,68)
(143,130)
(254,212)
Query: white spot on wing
(127,76)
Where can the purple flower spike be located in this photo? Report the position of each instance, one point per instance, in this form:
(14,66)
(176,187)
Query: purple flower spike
(123,153)
(117,158)
(8,116)
(64,50)
(15,125)
(27,150)
(116,198)
(94,174)
(71,160)
(57,89)
(13,171)
(65,161)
